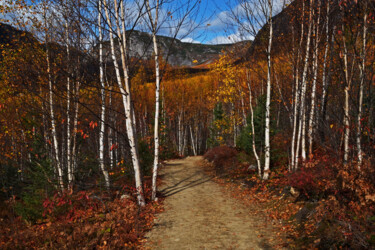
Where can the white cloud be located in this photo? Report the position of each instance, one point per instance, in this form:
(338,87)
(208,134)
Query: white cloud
(219,22)
(231,38)
(236,22)
(189,40)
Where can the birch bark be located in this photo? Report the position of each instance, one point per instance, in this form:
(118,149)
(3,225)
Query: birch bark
(103,100)
(125,92)
(154,25)
(267,148)
(313,91)
(362,80)
(252,127)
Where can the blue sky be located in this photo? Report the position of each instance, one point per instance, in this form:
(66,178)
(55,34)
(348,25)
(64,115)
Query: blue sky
(211,20)
(216,30)
(218,27)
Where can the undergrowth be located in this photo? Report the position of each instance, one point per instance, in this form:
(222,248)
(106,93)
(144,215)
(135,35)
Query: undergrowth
(323,205)
(88,219)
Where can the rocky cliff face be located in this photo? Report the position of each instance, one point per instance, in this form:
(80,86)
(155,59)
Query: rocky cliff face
(140,46)
(178,53)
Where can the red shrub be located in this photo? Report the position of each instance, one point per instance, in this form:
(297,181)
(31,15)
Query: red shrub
(313,182)
(357,184)
(222,157)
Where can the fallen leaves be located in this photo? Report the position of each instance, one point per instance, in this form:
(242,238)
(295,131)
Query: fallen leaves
(116,223)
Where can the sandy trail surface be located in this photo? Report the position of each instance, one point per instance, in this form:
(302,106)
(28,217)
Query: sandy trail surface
(200,214)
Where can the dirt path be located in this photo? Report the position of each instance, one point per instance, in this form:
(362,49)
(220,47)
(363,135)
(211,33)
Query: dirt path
(200,215)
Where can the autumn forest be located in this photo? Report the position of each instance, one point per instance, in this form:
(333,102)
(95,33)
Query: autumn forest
(101,101)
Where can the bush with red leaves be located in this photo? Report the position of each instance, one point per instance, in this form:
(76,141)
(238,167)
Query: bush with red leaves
(222,157)
(313,182)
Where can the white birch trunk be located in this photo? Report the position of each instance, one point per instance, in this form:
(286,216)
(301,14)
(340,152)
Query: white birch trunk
(297,96)
(154,25)
(126,98)
(346,105)
(362,82)
(313,91)
(302,130)
(193,142)
(185,140)
(267,149)
(110,131)
(252,128)
(299,132)
(244,122)
(55,145)
(325,78)
(180,134)
(103,108)
(75,127)
(68,125)
(53,125)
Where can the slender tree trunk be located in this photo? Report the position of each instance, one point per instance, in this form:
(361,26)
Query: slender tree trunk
(267,159)
(180,134)
(185,136)
(302,130)
(252,127)
(68,125)
(193,141)
(325,73)
(244,122)
(53,125)
(75,127)
(362,82)
(102,94)
(297,96)
(55,145)
(154,25)
(298,146)
(126,98)
(313,91)
(346,105)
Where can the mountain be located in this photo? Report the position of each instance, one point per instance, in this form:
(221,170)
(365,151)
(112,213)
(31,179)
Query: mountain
(287,26)
(178,53)
(12,36)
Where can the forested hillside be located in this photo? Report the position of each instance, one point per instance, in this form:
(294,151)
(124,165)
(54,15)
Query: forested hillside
(90,108)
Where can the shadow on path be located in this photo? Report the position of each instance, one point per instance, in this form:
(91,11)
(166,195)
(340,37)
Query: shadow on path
(199,215)
(184,184)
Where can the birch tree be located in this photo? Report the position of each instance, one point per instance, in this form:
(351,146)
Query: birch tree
(302,109)
(55,143)
(103,99)
(154,26)
(259,164)
(297,93)
(314,82)
(325,78)
(117,14)
(250,16)
(362,68)
(267,144)
(155,21)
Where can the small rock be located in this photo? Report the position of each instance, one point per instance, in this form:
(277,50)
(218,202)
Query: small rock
(294,192)
(125,196)
(248,184)
(289,191)
(252,167)
(305,212)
